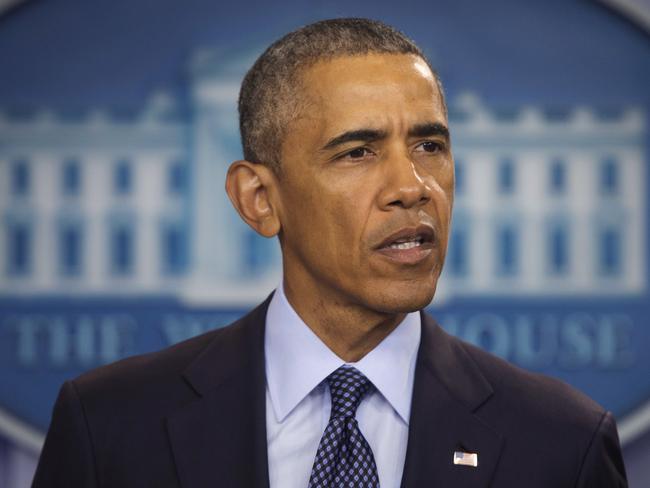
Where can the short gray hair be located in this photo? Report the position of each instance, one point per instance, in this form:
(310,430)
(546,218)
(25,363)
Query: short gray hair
(270,93)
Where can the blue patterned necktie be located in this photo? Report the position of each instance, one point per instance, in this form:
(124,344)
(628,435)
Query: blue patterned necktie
(344,458)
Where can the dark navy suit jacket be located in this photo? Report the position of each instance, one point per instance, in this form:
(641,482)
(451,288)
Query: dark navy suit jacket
(193,416)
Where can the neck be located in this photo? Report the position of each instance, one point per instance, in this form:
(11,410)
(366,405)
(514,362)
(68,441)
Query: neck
(349,330)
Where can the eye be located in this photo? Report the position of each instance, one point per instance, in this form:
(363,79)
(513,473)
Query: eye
(429,147)
(357,153)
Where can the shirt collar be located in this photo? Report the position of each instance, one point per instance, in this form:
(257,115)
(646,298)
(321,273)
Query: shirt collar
(297,361)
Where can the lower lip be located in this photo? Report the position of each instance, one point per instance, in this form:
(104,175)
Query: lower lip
(411,256)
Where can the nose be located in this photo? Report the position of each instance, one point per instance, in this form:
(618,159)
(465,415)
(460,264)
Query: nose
(404,184)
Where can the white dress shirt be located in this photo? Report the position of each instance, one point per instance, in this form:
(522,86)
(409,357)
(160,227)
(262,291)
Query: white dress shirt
(298,399)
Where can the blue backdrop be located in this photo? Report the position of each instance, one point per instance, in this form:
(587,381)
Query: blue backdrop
(118,121)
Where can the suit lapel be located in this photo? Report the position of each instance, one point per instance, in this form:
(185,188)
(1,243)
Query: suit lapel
(449,389)
(219,439)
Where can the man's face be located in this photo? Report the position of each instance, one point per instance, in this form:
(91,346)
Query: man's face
(367,183)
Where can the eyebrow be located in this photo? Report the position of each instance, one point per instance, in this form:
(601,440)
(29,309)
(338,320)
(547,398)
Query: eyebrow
(366,135)
(427,129)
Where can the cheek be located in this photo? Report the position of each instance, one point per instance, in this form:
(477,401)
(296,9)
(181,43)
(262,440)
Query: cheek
(442,188)
(328,216)
(442,191)
(344,226)
(342,218)
(316,220)
(445,176)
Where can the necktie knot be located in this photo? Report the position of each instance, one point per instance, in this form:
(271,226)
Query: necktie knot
(347,387)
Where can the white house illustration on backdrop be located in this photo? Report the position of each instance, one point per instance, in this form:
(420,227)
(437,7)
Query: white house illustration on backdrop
(547,203)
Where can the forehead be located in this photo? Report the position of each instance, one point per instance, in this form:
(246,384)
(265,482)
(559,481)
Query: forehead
(372,84)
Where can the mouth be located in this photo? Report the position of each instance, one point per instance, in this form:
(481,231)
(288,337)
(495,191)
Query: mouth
(409,245)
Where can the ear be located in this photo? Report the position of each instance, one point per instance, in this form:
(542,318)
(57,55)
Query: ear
(251,187)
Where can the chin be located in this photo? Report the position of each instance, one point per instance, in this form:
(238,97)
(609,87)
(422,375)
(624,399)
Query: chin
(405,299)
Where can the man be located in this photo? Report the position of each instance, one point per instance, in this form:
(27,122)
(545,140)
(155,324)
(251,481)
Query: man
(337,379)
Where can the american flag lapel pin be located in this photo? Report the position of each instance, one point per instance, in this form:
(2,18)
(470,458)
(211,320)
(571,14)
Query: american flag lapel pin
(466,458)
